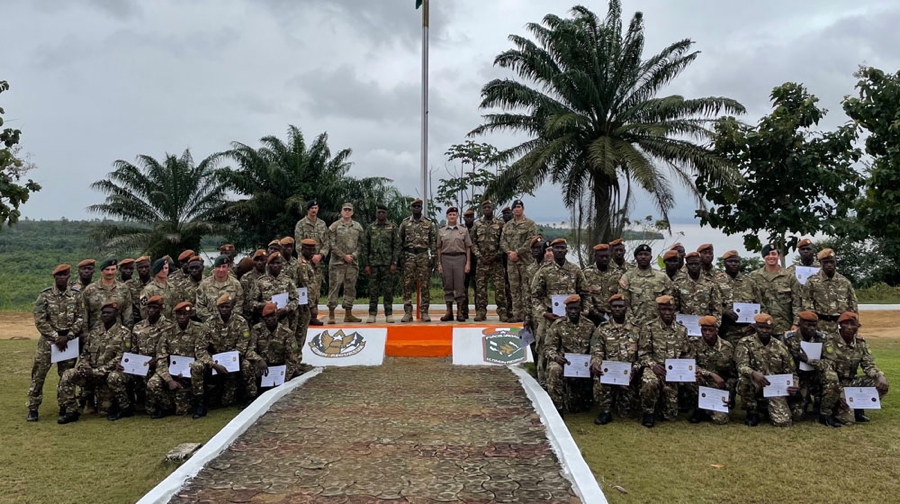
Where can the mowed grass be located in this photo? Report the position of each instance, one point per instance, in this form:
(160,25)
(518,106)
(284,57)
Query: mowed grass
(808,463)
(92,460)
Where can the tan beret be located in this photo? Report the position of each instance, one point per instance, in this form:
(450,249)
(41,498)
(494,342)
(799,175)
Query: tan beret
(558,241)
(87,262)
(730,253)
(709,320)
(126,262)
(287,240)
(186,255)
(692,254)
(269,308)
(226,248)
(276,241)
(804,242)
(486,202)
(142,259)
(808,315)
(665,300)
(224,298)
(615,297)
(195,258)
(601,246)
(763,318)
(705,246)
(536,239)
(826,254)
(155,300)
(617,241)
(110,303)
(273,256)
(676,245)
(848,315)
(308,242)
(417,201)
(574,298)
(62,268)
(259,253)
(184,306)
(670,254)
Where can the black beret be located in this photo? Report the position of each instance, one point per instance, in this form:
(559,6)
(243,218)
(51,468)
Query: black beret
(311,203)
(768,248)
(381,207)
(107,263)
(643,247)
(158,265)
(518,202)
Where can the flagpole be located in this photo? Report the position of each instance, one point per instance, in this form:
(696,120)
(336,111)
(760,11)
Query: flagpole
(424,175)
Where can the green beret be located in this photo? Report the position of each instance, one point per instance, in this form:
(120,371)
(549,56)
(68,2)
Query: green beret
(220,261)
(107,263)
(768,248)
(158,265)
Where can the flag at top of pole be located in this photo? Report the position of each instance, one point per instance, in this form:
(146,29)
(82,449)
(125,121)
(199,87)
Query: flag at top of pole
(424,174)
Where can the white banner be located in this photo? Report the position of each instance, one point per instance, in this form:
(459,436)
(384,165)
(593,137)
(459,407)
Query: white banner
(345,346)
(481,346)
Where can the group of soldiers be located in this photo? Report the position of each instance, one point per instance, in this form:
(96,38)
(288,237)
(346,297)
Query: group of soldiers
(616,311)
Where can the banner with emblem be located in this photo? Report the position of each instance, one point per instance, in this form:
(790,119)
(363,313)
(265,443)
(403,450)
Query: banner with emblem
(484,346)
(345,346)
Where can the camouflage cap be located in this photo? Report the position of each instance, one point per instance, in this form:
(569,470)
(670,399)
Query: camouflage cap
(347,206)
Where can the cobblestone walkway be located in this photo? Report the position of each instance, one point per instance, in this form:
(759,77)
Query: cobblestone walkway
(411,431)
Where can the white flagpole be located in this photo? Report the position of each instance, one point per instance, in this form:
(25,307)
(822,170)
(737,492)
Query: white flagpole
(425,193)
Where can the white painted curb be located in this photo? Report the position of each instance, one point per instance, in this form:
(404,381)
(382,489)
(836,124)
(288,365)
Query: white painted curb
(575,469)
(167,488)
(879,307)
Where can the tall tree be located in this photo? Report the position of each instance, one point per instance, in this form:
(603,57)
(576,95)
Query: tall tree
(12,167)
(796,180)
(589,101)
(466,187)
(161,207)
(275,181)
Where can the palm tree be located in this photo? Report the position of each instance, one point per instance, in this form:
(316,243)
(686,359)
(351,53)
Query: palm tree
(275,181)
(589,102)
(161,207)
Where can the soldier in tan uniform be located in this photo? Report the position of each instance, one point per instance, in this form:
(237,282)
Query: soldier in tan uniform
(213,286)
(454,248)
(85,274)
(756,357)
(736,287)
(126,270)
(602,282)
(571,334)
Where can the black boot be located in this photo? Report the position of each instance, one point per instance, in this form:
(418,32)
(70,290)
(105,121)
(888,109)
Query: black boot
(32,415)
(449,315)
(698,416)
(752,419)
(603,419)
(828,420)
(199,409)
(460,316)
(860,416)
(69,417)
(156,415)
(121,413)
(648,420)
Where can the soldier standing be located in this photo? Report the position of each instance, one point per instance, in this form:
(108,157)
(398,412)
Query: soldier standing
(829,294)
(778,290)
(213,286)
(380,253)
(679,248)
(191,283)
(674,265)
(187,338)
(313,228)
(162,287)
(108,289)
(177,275)
(307,252)
(707,254)
(617,340)
(344,239)
(59,318)
(736,287)
(274,282)
(807,256)
(642,285)
(454,249)
(514,242)
(418,241)
(602,282)
(126,270)
(85,274)
(696,293)
(485,236)
(757,356)
(136,285)
(617,249)
(569,334)
(469,221)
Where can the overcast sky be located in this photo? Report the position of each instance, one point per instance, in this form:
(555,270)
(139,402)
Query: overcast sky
(93,81)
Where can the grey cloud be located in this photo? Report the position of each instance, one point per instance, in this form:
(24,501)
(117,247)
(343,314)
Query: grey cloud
(119,9)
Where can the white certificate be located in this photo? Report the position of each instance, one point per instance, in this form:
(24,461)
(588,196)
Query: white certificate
(804,272)
(746,312)
(779,384)
(813,352)
(71,352)
(681,370)
(690,322)
(280,300)
(862,398)
(713,399)
(559,304)
(275,377)
(303,295)
(230,360)
(136,364)
(615,372)
(526,337)
(180,366)
(579,366)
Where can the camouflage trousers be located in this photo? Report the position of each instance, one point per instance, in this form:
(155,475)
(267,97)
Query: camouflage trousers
(658,394)
(315,286)
(832,392)
(518,288)
(303,318)
(160,398)
(381,285)
(224,386)
(416,268)
(342,274)
(778,407)
(540,331)
(572,395)
(495,274)
(623,399)
(39,370)
(810,386)
(136,387)
(108,387)
(693,392)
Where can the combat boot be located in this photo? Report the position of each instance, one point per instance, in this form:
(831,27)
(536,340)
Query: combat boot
(461,316)
(32,415)
(449,315)
(388,318)
(331,315)
(425,316)
(480,317)
(828,420)
(407,314)
(371,319)
(603,419)
(314,317)
(120,414)
(349,317)
(752,419)
(68,417)
(860,416)
(156,415)
(698,416)
(199,408)
(648,420)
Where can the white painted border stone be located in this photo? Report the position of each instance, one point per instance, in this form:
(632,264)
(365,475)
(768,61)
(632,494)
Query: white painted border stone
(575,469)
(167,488)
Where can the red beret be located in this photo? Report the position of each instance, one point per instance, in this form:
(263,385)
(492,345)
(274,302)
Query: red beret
(269,308)
(62,268)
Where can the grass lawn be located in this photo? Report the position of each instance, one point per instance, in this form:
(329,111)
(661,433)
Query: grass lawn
(92,460)
(809,463)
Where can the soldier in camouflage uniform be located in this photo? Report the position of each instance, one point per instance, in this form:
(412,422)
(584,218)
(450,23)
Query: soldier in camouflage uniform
(707,255)
(229,332)
(191,283)
(778,290)
(641,286)
(143,341)
(380,253)
(569,334)
(272,283)
(659,340)
(418,244)
(602,282)
(757,356)
(679,249)
(259,259)
(617,340)
(541,253)
(558,277)
(96,369)
(617,250)
(136,285)
(514,241)
(828,294)
(162,287)
(126,270)
(186,338)
(810,383)
(177,275)
(715,368)
(344,240)
(59,318)
(736,287)
(108,289)
(486,249)
(469,221)
(843,356)
(274,344)
(674,266)
(85,274)
(807,256)
(291,261)
(696,293)
(313,228)
(213,286)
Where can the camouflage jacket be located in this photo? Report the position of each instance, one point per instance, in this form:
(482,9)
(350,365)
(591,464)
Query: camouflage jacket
(739,289)
(345,238)
(103,349)
(96,295)
(845,359)
(135,286)
(211,289)
(792,340)
(317,230)
(555,280)
(56,311)
(640,288)
(516,237)
(247,282)
(268,286)
(709,274)
(564,337)
(829,296)
(381,245)
(751,355)
(228,336)
(779,296)
(616,342)
(187,342)
(170,294)
(189,288)
(624,268)
(600,285)
(418,236)
(718,358)
(486,239)
(145,336)
(698,297)
(278,347)
(658,342)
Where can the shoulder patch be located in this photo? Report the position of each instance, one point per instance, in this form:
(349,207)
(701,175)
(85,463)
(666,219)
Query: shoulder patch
(143,300)
(246,334)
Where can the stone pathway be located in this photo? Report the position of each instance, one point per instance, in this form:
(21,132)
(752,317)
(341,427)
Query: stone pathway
(411,431)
